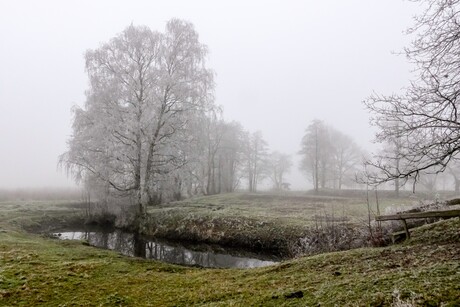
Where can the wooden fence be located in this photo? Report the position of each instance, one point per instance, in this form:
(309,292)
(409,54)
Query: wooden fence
(417,215)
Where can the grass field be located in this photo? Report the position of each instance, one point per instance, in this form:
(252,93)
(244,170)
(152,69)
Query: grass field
(35,270)
(293,208)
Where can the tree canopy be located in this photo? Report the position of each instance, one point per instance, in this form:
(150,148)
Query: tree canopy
(423,120)
(145,90)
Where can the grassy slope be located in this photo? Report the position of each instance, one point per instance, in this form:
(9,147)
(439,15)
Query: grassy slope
(298,210)
(36,270)
(270,222)
(293,209)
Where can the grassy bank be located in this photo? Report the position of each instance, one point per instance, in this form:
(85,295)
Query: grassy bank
(41,271)
(286,225)
(35,270)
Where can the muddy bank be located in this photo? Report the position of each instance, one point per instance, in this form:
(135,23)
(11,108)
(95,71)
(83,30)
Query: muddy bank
(281,240)
(275,237)
(253,236)
(228,231)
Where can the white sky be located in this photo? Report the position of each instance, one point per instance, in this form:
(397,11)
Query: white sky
(279,65)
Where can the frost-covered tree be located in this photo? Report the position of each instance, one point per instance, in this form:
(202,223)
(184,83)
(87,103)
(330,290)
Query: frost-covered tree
(315,152)
(145,90)
(214,131)
(278,165)
(329,156)
(230,158)
(255,154)
(215,155)
(346,158)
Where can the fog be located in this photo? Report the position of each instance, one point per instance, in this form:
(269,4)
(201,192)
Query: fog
(278,65)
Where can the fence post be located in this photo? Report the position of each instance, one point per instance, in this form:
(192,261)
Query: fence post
(406,229)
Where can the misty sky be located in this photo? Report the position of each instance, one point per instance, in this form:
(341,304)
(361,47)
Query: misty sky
(279,65)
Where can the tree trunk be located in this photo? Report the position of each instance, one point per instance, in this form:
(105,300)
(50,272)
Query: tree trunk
(397,187)
(219,176)
(139,245)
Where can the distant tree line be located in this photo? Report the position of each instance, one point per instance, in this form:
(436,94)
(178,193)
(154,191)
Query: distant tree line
(329,157)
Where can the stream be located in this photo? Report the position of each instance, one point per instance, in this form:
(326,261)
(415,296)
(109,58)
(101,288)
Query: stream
(134,245)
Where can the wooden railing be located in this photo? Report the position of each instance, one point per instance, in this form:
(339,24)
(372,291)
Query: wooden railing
(417,215)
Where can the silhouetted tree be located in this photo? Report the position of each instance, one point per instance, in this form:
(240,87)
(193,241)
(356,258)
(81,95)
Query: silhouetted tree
(427,111)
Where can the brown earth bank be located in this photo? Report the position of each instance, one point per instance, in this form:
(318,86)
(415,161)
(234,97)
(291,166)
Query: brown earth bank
(273,238)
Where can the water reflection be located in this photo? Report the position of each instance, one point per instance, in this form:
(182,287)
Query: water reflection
(135,245)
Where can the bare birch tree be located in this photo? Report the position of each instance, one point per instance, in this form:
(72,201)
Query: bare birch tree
(145,87)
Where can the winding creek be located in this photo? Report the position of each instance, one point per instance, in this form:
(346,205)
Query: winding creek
(133,245)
